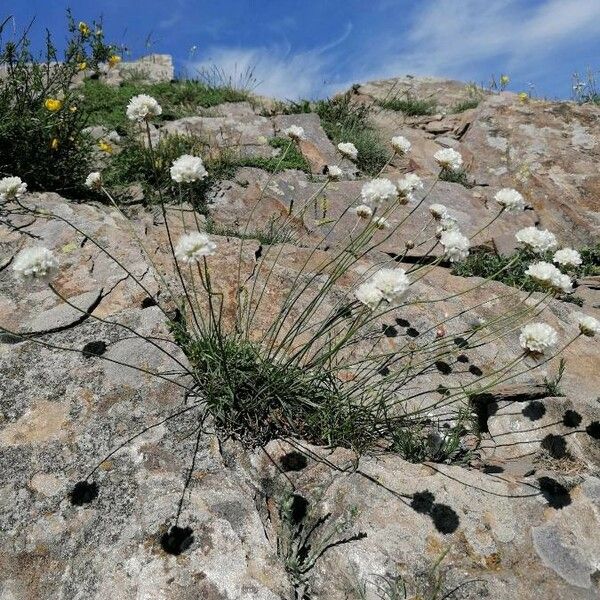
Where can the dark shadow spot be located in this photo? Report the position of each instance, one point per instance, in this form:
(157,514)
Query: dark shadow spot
(389,331)
(474,370)
(177,540)
(571,418)
(97,348)
(293,461)
(463,358)
(484,407)
(9,338)
(444,518)
(383,371)
(492,469)
(556,494)
(258,252)
(83,493)
(534,410)
(443,367)
(442,389)
(422,502)
(148,302)
(299,508)
(461,342)
(402,322)
(412,332)
(593,430)
(555,445)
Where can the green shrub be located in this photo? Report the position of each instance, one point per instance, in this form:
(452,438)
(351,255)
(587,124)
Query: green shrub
(484,263)
(465,105)
(41,116)
(410,106)
(345,121)
(456,176)
(178,99)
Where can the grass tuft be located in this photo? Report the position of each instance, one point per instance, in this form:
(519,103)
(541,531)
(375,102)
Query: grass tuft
(410,106)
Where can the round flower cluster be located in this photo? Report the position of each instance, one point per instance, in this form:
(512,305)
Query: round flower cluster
(333,172)
(363,211)
(142,108)
(378,191)
(549,276)
(348,149)
(408,184)
(510,199)
(538,337)
(588,325)
(187,169)
(438,211)
(192,246)
(35,262)
(567,257)
(456,245)
(294,132)
(387,284)
(94,180)
(12,188)
(400,144)
(536,240)
(448,159)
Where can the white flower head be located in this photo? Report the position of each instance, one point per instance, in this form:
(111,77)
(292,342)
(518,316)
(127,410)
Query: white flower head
(537,240)
(588,325)
(400,144)
(538,337)
(408,184)
(381,223)
(510,199)
(567,257)
(378,191)
(192,246)
(12,188)
(94,180)
(447,223)
(392,283)
(369,295)
(142,108)
(187,169)
(456,245)
(363,211)
(333,172)
(295,132)
(549,276)
(448,159)
(35,262)
(438,211)
(348,149)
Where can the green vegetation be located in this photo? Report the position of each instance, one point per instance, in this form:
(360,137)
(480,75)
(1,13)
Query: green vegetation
(456,176)
(465,105)
(272,233)
(41,117)
(104,103)
(410,106)
(134,165)
(484,263)
(344,121)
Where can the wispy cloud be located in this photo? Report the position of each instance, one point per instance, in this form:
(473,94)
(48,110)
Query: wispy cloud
(279,71)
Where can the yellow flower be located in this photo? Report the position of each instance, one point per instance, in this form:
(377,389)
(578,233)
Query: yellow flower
(54,144)
(523,97)
(105,146)
(504,80)
(82,66)
(84,29)
(53,104)
(114,60)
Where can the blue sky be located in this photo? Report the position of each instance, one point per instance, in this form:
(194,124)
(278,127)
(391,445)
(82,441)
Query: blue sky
(312,48)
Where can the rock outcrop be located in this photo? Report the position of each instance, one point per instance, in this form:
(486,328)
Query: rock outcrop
(293,520)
